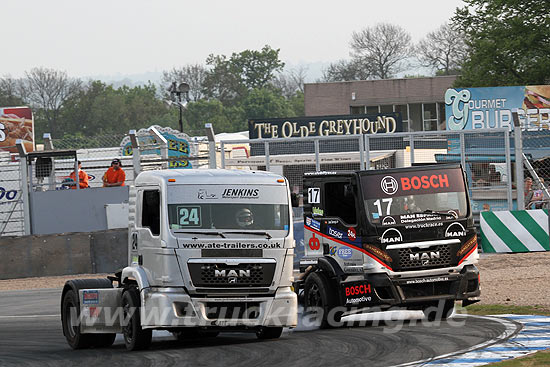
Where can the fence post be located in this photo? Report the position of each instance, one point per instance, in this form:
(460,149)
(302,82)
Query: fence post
(136,154)
(361,153)
(462,150)
(211,146)
(411,145)
(23,168)
(267,159)
(222,148)
(367,151)
(317,158)
(509,174)
(518,147)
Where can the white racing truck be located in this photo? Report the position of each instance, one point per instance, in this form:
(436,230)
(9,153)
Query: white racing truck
(397,237)
(209,251)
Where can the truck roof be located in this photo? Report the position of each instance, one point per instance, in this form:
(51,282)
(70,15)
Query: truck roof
(347,173)
(202,176)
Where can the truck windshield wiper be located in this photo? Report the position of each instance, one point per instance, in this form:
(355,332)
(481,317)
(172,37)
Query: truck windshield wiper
(429,211)
(208,233)
(258,233)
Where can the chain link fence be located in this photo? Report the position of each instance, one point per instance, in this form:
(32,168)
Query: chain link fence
(11,200)
(536,157)
(485,155)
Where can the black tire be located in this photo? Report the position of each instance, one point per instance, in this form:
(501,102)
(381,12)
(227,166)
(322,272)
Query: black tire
(320,296)
(135,337)
(70,316)
(267,332)
(439,309)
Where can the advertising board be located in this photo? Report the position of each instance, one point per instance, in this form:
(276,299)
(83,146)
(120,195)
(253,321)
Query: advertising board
(16,123)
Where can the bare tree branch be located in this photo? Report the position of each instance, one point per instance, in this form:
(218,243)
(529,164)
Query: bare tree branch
(192,74)
(443,50)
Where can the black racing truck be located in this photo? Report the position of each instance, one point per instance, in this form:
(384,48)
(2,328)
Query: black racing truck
(384,238)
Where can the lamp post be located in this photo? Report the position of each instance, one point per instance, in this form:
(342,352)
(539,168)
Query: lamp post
(176,91)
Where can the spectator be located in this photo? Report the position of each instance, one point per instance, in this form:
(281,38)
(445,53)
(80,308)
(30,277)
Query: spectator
(115,175)
(82,178)
(528,192)
(494,175)
(538,195)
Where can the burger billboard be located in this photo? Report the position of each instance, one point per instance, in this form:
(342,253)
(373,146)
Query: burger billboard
(16,123)
(487,108)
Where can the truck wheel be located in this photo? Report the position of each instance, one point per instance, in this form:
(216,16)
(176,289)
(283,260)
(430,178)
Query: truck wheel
(266,332)
(135,337)
(431,310)
(70,319)
(320,298)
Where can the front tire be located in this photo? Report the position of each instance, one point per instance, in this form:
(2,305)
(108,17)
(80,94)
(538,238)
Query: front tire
(135,337)
(266,332)
(440,309)
(320,298)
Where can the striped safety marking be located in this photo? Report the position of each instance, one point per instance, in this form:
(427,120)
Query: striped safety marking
(515,231)
(534,336)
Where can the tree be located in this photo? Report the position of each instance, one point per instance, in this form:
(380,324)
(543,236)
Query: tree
(343,70)
(266,103)
(291,81)
(212,111)
(382,49)
(47,90)
(507,40)
(443,50)
(193,75)
(230,79)
(8,93)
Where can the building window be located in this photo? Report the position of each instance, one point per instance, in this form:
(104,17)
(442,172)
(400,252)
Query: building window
(429,116)
(441,117)
(402,108)
(386,108)
(372,110)
(357,110)
(415,117)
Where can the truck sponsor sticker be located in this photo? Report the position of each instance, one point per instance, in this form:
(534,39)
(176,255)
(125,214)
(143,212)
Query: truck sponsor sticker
(241,193)
(468,245)
(358,293)
(381,254)
(414,182)
(314,243)
(344,253)
(427,280)
(333,232)
(318,211)
(332,250)
(388,221)
(352,234)
(231,245)
(312,223)
(90,297)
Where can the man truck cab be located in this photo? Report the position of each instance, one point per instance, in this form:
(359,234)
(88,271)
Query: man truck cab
(209,250)
(383,238)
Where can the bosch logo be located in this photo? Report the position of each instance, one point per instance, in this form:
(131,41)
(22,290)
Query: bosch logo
(388,221)
(389,185)
(391,235)
(455,230)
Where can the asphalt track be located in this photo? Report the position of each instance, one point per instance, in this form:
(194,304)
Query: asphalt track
(31,335)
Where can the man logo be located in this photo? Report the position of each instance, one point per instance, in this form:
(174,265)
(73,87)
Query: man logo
(232,280)
(388,221)
(232,274)
(425,256)
(391,235)
(455,230)
(453,213)
(389,185)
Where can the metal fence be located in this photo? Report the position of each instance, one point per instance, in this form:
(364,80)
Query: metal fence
(11,200)
(486,156)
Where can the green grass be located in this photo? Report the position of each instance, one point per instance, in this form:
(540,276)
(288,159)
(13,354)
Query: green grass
(541,358)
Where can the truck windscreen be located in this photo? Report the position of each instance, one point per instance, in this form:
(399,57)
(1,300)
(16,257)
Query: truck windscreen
(415,192)
(234,216)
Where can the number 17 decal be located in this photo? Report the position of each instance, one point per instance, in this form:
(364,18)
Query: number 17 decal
(379,206)
(314,195)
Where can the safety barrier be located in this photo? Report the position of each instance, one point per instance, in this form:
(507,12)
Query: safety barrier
(515,231)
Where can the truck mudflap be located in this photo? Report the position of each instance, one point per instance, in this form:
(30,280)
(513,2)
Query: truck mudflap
(381,290)
(100,310)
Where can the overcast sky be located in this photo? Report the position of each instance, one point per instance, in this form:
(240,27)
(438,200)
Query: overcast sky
(125,37)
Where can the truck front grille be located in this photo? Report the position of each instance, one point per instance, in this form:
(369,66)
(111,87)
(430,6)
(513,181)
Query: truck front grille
(224,275)
(436,257)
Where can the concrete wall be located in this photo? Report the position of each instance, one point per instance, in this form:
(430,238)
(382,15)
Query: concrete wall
(63,254)
(63,211)
(336,98)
